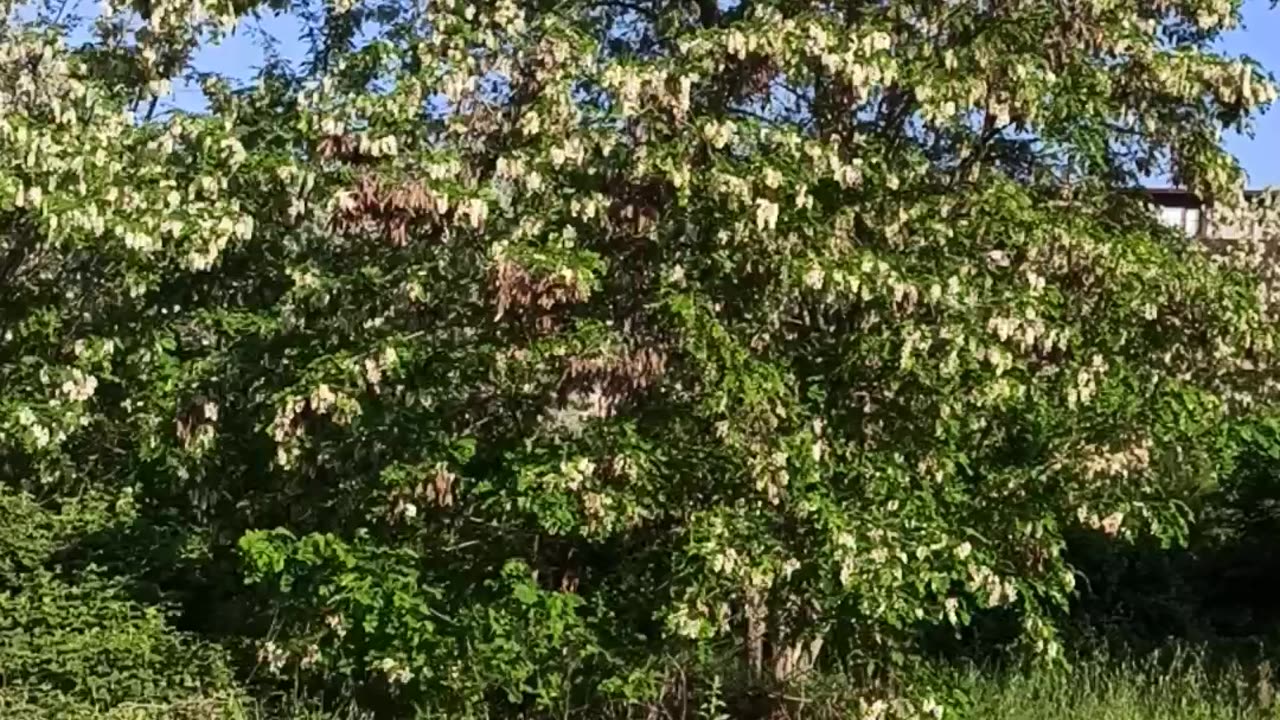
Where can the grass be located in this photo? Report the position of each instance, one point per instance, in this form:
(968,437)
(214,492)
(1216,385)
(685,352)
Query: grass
(1172,685)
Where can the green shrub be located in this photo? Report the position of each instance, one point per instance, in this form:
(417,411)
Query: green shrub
(73,643)
(88,642)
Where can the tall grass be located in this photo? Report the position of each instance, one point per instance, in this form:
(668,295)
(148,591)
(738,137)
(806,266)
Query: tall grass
(1172,685)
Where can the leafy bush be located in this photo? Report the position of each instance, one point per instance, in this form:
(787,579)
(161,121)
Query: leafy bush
(87,642)
(1216,588)
(79,646)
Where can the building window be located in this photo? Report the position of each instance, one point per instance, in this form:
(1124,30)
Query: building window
(1171,216)
(1186,219)
(1192,221)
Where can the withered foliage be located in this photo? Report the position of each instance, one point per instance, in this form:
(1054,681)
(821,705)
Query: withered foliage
(378,208)
(637,205)
(440,490)
(345,148)
(518,292)
(607,382)
(435,489)
(196,414)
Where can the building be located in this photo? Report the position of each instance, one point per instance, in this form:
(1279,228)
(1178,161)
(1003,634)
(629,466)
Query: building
(1182,209)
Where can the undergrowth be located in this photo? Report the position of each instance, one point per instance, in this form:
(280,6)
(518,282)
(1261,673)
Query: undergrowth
(1175,684)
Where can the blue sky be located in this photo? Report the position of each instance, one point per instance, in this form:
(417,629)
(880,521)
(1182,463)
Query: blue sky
(1259,37)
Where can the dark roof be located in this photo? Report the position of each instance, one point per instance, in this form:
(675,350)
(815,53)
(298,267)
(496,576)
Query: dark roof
(1172,197)
(1177,197)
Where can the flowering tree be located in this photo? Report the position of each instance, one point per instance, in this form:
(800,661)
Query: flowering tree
(514,347)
